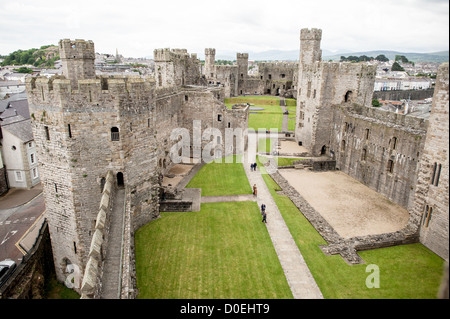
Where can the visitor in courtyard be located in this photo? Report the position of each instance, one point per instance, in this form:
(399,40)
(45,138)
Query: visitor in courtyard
(263,208)
(264,217)
(251,167)
(255,190)
(254,166)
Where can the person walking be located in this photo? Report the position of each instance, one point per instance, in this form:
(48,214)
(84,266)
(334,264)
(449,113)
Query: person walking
(263,208)
(264,220)
(255,190)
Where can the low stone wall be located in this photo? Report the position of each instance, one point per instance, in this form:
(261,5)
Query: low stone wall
(347,248)
(91,284)
(28,280)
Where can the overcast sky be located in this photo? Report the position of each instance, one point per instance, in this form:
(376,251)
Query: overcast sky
(136,28)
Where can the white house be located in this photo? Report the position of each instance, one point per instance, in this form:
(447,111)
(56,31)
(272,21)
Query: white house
(18,147)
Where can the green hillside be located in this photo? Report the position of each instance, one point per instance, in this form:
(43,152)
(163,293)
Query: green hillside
(44,57)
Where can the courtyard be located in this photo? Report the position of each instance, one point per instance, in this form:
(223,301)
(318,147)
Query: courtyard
(224,251)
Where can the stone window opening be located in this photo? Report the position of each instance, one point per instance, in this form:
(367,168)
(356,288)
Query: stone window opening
(348,96)
(270,76)
(394,143)
(75,247)
(283,75)
(186,98)
(69,130)
(323,151)
(364,154)
(47,133)
(390,166)
(426,217)
(343,145)
(436,174)
(114,134)
(219,117)
(367,134)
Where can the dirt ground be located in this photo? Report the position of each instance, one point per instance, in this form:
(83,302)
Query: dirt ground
(352,208)
(179,170)
(288,146)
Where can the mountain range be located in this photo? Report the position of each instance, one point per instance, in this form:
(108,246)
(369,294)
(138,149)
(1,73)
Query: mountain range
(293,55)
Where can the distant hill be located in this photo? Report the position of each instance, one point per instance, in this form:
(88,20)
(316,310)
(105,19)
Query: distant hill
(439,57)
(45,56)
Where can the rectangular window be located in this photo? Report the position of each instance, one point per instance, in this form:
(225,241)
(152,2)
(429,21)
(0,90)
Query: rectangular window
(436,174)
(32,159)
(19,176)
(390,167)
(69,130)
(47,133)
(35,173)
(367,133)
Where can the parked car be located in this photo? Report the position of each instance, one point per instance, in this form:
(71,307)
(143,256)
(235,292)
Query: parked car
(7,267)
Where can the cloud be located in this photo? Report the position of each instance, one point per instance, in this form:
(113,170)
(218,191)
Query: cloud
(136,28)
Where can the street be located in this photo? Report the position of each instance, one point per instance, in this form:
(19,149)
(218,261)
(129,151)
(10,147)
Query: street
(14,222)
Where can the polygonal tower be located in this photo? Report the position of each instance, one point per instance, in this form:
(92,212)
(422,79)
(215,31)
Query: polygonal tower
(210,60)
(242,63)
(85,128)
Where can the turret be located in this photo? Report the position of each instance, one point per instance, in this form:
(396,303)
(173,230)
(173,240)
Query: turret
(77,58)
(310,51)
(210,60)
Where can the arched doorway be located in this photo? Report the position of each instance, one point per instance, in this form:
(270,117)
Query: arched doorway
(348,96)
(323,151)
(120,182)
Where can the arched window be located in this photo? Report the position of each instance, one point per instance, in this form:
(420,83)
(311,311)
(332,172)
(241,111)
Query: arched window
(114,134)
(348,96)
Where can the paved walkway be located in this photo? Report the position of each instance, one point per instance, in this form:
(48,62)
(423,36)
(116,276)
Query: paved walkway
(284,126)
(113,258)
(228,198)
(299,278)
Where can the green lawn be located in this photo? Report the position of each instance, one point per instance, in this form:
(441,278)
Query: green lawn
(217,179)
(406,272)
(270,118)
(221,252)
(281,161)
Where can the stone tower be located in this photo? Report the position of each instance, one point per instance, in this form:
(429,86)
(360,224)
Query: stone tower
(210,59)
(310,46)
(78,59)
(242,63)
(431,203)
(87,127)
(321,87)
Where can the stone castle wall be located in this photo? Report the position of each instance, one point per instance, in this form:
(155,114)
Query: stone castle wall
(431,205)
(375,149)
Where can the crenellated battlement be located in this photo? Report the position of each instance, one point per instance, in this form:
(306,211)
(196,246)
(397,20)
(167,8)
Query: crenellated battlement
(242,56)
(101,91)
(210,51)
(76,49)
(167,54)
(311,34)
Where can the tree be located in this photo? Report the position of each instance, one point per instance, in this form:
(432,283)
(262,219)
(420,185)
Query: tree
(375,103)
(381,58)
(397,67)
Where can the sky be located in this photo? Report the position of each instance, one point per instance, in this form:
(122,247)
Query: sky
(138,27)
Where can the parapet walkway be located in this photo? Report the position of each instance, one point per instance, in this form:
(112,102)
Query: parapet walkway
(299,278)
(113,258)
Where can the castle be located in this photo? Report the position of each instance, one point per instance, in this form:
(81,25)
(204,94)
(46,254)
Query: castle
(105,141)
